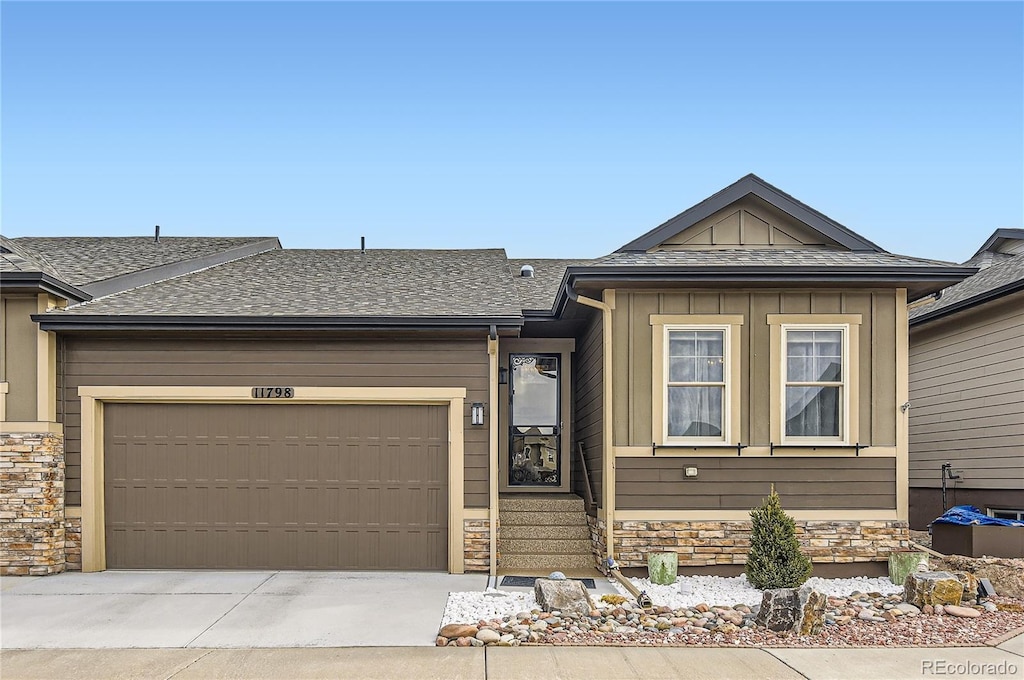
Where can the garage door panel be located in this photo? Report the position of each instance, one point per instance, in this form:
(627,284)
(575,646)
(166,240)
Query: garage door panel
(276,486)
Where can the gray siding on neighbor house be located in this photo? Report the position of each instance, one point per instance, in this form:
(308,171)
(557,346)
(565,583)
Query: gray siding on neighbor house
(737,483)
(632,347)
(967,397)
(589,405)
(310,361)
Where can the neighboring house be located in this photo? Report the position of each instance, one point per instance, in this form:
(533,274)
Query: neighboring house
(450,409)
(967,388)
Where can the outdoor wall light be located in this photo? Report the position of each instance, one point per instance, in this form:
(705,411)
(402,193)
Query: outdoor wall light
(502,376)
(477,417)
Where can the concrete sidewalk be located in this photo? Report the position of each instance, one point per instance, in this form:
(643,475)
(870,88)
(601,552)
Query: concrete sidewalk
(524,663)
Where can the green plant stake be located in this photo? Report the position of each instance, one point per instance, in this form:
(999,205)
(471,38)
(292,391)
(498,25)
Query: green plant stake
(775,560)
(663,568)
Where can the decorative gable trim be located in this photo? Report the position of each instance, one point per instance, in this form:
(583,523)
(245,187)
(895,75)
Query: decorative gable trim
(751,184)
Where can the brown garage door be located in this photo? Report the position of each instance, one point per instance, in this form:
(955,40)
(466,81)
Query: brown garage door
(260,486)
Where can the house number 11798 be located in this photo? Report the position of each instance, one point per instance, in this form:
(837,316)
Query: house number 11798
(273,392)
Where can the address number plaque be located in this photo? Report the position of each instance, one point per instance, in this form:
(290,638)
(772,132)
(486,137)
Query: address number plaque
(273,392)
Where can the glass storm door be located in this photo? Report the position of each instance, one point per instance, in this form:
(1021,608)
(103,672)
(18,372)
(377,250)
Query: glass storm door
(535,431)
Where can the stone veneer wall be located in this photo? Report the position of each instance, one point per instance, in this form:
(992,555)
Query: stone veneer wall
(73,544)
(477,544)
(705,543)
(31,503)
(597,540)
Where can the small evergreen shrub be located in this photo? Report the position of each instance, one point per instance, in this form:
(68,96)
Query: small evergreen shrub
(775,560)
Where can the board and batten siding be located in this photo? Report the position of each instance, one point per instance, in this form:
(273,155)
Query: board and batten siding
(588,393)
(632,347)
(307,362)
(737,483)
(967,397)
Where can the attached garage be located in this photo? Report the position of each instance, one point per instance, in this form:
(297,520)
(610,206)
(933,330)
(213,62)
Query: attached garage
(276,486)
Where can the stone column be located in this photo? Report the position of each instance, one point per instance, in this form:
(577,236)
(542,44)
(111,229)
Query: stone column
(31,503)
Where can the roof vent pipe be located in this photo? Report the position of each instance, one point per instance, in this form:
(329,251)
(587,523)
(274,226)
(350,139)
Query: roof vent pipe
(156,234)
(526,271)
(362,245)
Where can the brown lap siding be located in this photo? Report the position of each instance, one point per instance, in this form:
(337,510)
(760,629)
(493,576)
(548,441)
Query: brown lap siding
(308,362)
(741,483)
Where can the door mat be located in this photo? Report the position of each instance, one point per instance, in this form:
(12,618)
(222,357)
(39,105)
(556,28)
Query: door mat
(527,581)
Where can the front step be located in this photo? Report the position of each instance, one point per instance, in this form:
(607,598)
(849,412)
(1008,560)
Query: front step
(543,532)
(521,563)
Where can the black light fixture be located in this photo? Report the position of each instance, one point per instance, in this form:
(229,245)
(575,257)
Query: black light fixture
(502,375)
(477,413)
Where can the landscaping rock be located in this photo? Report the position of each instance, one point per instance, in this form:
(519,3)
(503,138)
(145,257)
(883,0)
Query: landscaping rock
(963,612)
(458,630)
(488,635)
(932,587)
(970,583)
(811,618)
(779,609)
(568,596)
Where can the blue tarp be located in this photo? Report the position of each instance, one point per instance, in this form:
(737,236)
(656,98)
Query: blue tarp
(968,514)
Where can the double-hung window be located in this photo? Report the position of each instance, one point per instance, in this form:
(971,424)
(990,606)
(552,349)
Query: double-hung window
(815,366)
(695,396)
(815,393)
(695,389)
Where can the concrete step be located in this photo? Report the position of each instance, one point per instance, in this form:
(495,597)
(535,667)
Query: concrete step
(545,531)
(539,518)
(541,546)
(509,563)
(538,502)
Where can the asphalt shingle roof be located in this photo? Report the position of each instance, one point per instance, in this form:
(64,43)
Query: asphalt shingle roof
(767,257)
(992,277)
(17,260)
(538,292)
(330,283)
(83,260)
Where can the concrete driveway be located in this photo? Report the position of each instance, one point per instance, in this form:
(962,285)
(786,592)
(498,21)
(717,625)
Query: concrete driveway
(128,609)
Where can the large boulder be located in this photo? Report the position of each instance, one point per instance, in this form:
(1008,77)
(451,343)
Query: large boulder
(1006,575)
(800,610)
(970,583)
(932,588)
(569,596)
(811,620)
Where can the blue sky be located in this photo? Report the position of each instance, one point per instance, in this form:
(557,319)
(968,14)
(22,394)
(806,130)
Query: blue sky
(552,130)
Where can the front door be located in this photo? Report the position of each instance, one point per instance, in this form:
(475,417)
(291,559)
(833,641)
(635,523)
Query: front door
(534,434)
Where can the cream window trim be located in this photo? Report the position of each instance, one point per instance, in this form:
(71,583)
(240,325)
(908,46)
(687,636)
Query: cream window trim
(5,388)
(94,554)
(780,325)
(661,326)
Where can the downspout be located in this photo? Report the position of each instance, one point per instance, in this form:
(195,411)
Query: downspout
(608,456)
(492,448)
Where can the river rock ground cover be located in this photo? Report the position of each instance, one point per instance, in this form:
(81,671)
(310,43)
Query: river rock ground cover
(719,612)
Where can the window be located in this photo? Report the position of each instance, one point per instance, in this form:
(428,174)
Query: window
(814,393)
(695,389)
(695,379)
(1000,513)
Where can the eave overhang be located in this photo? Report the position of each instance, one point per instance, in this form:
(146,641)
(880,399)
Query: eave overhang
(967,303)
(918,282)
(80,322)
(38,282)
